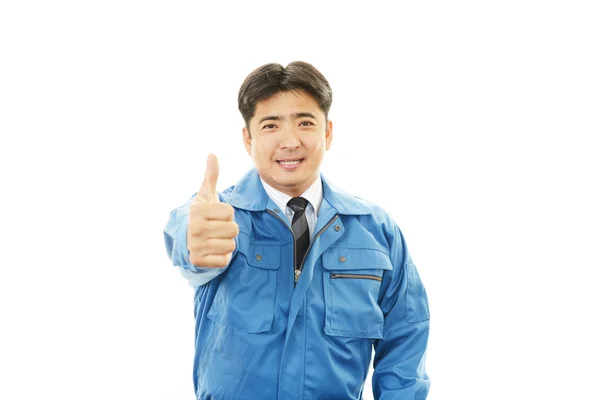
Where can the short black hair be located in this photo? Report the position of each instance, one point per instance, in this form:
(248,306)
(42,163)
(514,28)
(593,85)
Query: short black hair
(269,79)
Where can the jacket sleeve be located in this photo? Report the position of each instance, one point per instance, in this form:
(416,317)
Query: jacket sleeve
(399,363)
(175,235)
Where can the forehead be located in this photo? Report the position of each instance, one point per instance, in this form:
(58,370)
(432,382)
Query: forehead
(289,102)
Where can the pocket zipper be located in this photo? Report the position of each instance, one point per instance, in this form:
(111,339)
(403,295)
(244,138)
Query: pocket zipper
(357,276)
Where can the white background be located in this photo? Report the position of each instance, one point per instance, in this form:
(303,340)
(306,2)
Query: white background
(475,124)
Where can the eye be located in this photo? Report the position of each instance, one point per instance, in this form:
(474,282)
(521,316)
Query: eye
(269,126)
(306,123)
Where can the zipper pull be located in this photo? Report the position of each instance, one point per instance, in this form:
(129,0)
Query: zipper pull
(296,275)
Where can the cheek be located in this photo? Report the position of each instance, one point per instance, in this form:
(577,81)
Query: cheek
(318,146)
(262,151)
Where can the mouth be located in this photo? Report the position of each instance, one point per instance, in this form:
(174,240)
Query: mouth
(290,163)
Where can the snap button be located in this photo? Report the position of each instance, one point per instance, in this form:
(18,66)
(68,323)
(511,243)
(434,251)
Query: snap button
(276,210)
(337,228)
(258,257)
(342,259)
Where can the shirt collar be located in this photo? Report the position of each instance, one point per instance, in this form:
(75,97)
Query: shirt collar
(314,194)
(249,194)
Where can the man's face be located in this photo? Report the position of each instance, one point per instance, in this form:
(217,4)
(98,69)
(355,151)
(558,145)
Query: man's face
(289,138)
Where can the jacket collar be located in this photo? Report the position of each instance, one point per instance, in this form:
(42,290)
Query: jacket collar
(249,194)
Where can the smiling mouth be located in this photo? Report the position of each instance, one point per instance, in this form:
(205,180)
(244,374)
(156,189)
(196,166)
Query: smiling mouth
(291,162)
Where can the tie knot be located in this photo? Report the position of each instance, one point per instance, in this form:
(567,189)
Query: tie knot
(297,203)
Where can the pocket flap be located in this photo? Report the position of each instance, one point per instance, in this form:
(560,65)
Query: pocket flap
(339,258)
(264,256)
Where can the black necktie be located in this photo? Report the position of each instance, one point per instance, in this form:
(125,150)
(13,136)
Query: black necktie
(300,229)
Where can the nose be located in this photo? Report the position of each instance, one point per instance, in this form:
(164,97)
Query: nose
(289,140)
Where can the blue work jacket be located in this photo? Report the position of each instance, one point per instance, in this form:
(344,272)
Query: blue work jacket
(260,335)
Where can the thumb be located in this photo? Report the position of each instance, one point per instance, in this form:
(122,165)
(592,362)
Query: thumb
(208,190)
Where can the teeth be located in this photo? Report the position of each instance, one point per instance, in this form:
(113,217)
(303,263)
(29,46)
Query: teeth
(289,162)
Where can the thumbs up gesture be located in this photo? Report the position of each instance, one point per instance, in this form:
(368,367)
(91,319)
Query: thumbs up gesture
(211,229)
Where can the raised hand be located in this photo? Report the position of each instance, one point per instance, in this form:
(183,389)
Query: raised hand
(211,228)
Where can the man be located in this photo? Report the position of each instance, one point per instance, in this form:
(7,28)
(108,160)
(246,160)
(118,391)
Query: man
(295,279)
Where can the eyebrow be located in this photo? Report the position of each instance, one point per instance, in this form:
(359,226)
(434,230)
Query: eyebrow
(293,116)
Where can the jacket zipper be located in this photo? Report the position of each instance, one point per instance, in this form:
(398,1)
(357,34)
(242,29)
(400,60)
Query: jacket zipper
(299,270)
(357,276)
(297,275)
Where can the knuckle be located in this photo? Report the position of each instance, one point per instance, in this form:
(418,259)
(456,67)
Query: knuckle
(216,262)
(227,209)
(201,229)
(196,229)
(196,259)
(192,227)
(213,210)
(197,246)
(230,230)
(231,246)
(223,261)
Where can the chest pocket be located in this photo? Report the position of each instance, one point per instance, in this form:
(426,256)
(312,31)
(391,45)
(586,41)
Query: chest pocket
(245,299)
(352,280)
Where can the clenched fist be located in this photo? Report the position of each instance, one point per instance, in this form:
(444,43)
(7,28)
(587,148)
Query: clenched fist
(211,228)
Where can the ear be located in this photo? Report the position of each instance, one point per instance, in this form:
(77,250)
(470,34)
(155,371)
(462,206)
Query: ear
(328,135)
(247,140)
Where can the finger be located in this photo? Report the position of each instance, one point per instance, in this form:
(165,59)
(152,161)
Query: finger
(208,190)
(219,246)
(212,261)
(219,212)
(221,230)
